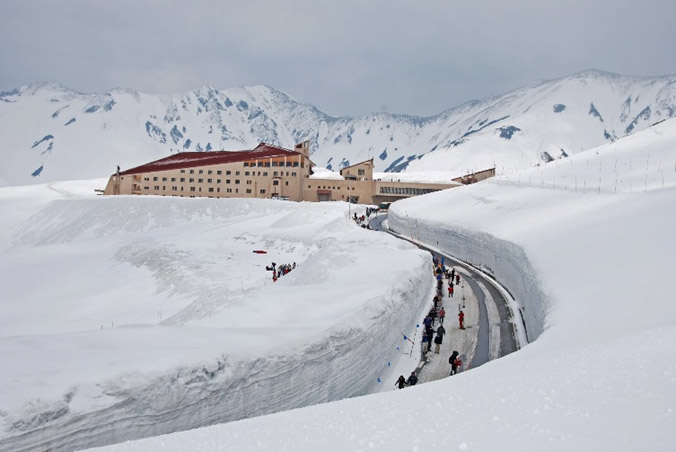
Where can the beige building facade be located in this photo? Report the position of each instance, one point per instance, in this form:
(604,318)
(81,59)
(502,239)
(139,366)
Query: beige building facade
(264,172)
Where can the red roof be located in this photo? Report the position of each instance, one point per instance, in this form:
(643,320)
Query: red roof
(193,159)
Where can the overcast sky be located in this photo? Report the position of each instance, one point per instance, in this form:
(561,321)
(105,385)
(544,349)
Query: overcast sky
(345,57)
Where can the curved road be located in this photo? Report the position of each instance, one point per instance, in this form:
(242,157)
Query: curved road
(496,332)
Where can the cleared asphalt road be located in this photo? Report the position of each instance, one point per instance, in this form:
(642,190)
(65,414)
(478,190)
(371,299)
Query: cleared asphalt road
(496,336)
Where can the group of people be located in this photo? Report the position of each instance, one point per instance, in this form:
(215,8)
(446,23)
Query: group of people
(410,381)
(437,312)
(279,271)
(361,220)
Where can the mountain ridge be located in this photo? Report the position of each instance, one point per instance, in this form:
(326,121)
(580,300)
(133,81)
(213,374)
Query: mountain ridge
(52,132)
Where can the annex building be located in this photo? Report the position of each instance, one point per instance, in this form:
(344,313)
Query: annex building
(265,172)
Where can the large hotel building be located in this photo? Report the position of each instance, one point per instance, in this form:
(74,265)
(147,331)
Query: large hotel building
(265,172)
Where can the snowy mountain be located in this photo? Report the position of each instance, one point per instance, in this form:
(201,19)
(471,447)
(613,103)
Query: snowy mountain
(50,132)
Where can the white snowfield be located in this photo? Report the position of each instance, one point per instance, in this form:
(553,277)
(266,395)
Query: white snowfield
(593,270)
(126,317)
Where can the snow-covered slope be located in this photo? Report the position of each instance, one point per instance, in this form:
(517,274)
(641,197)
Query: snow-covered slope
(125,317)
(593,263)
(50,133)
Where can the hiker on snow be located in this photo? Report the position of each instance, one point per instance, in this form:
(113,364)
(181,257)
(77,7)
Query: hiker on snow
(401,382)
(461,320)
(442,315)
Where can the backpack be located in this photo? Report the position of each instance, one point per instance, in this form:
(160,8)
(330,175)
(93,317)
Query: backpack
(457,362)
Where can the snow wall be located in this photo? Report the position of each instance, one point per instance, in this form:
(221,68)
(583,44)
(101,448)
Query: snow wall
(345,361)
(504,261)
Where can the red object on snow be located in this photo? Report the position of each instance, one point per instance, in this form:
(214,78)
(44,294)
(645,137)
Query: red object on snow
(260,252)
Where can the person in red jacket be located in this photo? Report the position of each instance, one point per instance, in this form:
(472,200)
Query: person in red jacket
(450,290)
(461,320)
(442,315)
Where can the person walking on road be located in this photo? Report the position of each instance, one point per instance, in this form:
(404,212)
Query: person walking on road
(430,332)
(442,315)
(412,379)
(441,330)
(455,362)
(437,342)
(450,290)
(457,279)
(461,320)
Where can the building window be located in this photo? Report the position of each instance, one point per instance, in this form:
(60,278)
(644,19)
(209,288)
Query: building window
(265,174)
(295,164)
(182,171)
(288,163)
(267,164)
(192,188)
(248,190)
(246,164)
(219,172)
(236,173)
(286,183)
(228,190)
(192,171)
(361,172)
(274,173)
(211,189)
(146,188)
(275,182)
(164,187)
(247,173)
(201,171)
(260,163)
(156,187)
(274,164)
(155,179)
(236,181)
(146,178)
(209,181)
(183,179)
(218,181)
(191,180)
(227,173)
(236,190)
(218,190)
(209,172)
(248,182)
(227,181)
(293,174)
(200,180)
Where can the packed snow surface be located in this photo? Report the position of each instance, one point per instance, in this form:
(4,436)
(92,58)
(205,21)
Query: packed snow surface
(586,246)
(124,317)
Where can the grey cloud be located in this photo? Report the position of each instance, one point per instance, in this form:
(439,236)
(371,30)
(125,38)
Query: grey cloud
(349,57)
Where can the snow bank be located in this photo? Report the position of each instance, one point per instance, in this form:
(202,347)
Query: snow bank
(126,317)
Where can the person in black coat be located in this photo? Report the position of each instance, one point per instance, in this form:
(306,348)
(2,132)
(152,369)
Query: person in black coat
(401,382)
(454,361)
